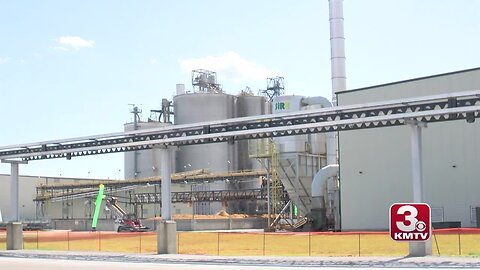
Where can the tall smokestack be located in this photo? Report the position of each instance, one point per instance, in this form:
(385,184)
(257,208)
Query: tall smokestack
(337,48)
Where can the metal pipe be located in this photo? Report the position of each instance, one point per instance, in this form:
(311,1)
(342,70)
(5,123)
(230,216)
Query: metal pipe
(135,153)
(319,185)
(337,48)
(268,192)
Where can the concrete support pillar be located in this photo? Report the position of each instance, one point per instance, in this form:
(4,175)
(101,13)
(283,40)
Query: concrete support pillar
(14,188)
(167,237)
(418,249)
(14,192)
(14,228)
(14,236)
(166,159)
(166,228)
(417,167)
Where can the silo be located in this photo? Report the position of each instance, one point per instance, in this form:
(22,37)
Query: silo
(216,157)
(249,106)
(201,107)
(146,163)
(289,144)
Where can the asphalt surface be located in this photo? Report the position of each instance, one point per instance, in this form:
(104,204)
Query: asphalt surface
(86,260)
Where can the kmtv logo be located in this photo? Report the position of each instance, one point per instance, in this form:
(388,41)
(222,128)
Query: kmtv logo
(410,222)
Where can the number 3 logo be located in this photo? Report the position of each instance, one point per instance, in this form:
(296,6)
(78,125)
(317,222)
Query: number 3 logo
(411,218)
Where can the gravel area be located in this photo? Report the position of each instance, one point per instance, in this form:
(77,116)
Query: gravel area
(404,262)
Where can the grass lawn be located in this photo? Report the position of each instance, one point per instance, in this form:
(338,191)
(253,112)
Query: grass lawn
(248,244)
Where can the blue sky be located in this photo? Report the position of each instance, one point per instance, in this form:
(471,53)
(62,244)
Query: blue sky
(70,68)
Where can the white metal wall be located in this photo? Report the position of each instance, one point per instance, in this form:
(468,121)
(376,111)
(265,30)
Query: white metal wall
(27,194)
(56,210)
(28,184)
(375,165)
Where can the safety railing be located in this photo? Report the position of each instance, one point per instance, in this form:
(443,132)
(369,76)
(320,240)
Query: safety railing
(450,242)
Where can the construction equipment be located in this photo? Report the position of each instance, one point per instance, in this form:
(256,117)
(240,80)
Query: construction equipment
(124,222)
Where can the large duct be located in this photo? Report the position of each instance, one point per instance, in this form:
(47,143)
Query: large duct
(330,136)
(337,48)
(319,204)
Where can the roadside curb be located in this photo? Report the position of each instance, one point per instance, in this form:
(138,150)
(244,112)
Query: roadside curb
(404,262)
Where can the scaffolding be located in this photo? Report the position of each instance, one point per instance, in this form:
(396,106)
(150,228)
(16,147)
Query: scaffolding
(266,151)
(289,183)
(275,182)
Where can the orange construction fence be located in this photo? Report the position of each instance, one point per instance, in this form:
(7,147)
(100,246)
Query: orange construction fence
(452,242)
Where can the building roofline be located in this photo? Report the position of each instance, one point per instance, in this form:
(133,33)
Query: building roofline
(58,177)
(409,80)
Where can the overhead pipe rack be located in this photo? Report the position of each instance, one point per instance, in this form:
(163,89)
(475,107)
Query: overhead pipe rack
(437,108)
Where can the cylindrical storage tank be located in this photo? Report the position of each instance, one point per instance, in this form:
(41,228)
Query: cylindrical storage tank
(316,141)
(202,107)
(289,144)
(248,106)
(146,163)
(180,89)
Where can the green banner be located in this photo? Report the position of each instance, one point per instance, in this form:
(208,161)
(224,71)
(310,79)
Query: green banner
(98,203)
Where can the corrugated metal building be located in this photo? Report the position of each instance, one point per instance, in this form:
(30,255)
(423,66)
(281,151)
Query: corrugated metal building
(375,164)
(28,184)
(78,208)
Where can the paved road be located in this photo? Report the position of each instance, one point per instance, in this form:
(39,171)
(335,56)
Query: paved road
(44,264)
(53,260)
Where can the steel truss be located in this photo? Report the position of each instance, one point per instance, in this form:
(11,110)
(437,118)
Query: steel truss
(438,108)
(61,192)
(203,196)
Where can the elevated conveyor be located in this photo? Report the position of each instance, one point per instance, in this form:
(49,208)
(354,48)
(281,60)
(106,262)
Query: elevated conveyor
(429,109)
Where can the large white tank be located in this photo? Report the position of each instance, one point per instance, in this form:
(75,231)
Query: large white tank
(249,106)
(147,162)
(201,107)
(317,141)
(289,144)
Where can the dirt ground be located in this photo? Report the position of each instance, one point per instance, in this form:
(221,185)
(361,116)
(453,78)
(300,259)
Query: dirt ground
(219,215)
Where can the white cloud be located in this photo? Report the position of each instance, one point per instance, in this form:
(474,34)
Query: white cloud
(59,48)
(230,66)
(66,43)
(153,61)
(4,60)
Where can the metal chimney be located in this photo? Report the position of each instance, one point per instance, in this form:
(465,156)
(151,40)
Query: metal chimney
(337,48)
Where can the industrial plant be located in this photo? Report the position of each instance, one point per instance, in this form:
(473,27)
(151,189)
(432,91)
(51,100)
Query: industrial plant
(337,170)
(273,183)
(268,181)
